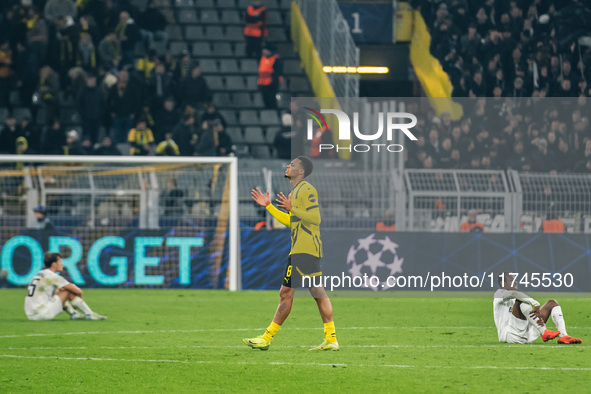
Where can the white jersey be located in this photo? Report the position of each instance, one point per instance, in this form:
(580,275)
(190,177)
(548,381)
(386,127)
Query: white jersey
(503,303)
(509,328)
(41,290)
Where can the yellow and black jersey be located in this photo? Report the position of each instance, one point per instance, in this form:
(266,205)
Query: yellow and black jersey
(304,220)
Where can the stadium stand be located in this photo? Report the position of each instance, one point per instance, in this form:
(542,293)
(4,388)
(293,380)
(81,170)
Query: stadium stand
(207,33)
(504,50)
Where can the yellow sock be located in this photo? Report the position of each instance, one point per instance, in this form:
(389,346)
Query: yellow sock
(329,332)
(271,331)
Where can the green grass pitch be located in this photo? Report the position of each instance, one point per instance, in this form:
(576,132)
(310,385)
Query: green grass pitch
(191,341)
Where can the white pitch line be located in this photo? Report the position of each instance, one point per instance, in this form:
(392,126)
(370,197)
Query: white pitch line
(500,345)
(297,364)
(257,329)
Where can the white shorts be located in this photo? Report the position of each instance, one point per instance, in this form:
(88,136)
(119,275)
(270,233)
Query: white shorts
(49,310)
(519,331)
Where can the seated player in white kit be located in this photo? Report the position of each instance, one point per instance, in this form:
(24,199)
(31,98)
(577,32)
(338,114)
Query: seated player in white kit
(49,293)
(520,319)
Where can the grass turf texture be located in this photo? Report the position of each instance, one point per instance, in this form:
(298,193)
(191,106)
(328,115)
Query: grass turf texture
(174,341)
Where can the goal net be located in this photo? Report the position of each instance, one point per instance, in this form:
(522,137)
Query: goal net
(122,221)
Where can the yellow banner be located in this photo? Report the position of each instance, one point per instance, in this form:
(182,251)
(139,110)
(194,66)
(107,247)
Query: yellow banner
(433,79)
(304,45)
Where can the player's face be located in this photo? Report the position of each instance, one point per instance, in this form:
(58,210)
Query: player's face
(291,167)
(58,265)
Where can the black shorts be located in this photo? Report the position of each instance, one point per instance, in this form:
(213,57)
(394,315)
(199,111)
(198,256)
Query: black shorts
(298,266)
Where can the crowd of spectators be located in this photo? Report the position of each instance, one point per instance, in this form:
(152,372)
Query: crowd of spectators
(84,52)
(508,51)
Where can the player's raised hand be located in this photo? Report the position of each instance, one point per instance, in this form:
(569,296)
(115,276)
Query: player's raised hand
(284,202)
(260,198)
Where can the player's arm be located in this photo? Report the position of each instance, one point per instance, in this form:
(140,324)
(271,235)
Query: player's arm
(508,294)
(72,288)
(265,201)
(282,217)
(309,213)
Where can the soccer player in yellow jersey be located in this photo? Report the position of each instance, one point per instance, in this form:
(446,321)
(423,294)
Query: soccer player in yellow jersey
(305,254)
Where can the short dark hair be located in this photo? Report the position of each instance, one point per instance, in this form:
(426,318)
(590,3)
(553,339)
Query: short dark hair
(307,165)
(50,258)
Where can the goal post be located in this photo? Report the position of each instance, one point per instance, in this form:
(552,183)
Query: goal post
(102,194)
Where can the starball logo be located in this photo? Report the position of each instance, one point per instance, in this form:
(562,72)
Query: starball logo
(390,119)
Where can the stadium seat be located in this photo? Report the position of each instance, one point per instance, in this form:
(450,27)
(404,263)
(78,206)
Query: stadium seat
(176,47)
(235,134)
(214,33)
(3,114)
(194,33)
(254,135)
(187,16)
(209,66)
(299,84)
(184,3)
(222,100)
(41,117)
(226,3)
(243,4)
(292,66)
(242,100)
(285,100)
(22,112)
(124,147)
(231,17)
(230,116)
(141,4)
(204,4)
(269,117)
(251,83)
(223,49)
(274,18)
(285,5)
(209,17)
(229,66)
(272,4)
(234,33)
(257,101)
(261,151)
(277,34)
(249,66)
(248,118)
(159,47)
(215,82)
(235,82)
(14,97)
(202,49)
(174,32)
(239,49)
(285,49)
(270,134)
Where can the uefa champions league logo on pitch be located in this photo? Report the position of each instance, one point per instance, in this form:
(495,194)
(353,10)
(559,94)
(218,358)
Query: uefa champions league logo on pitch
(376,257)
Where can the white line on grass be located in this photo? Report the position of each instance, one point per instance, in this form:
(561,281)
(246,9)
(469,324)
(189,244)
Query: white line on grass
(258,329)
(500,345)
(296,364)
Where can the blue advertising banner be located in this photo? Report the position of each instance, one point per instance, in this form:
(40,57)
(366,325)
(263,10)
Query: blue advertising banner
(436,261)
(369,23)
(407,261)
